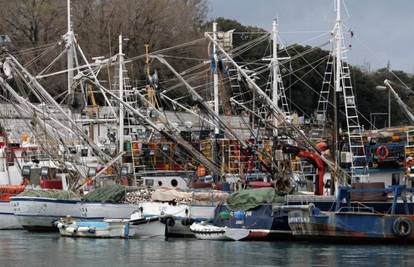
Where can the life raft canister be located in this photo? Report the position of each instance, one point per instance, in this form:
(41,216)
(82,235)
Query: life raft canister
(382,152)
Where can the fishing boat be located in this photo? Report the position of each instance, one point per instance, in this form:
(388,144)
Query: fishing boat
(248,215)
(135,227)
(354,224)
(206,231)
(40,213)
(183,208)
(21,165)
(143,136)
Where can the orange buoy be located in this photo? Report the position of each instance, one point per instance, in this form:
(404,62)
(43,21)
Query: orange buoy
(322,146)
(201,171)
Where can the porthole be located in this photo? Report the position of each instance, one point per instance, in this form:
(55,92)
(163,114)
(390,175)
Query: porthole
(174,182)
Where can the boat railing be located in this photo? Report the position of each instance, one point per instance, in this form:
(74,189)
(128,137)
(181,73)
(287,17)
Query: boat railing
(357,209)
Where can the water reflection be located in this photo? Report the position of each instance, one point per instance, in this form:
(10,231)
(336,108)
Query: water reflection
(20,248)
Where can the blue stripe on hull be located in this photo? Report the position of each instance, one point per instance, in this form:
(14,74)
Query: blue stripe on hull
(13,199)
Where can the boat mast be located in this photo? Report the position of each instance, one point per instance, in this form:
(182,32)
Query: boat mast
(69,44)
(215,98)
(275,66)
(338,46)
(338,56)
(215,77)
(121,96)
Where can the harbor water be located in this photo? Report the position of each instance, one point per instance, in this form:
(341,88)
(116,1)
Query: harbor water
(21,248)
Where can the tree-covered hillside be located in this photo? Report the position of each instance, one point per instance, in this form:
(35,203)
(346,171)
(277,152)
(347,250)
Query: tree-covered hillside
(303,75)
(165,23)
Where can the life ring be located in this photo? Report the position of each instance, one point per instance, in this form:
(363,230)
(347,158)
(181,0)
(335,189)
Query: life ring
(382,152)
(401,227)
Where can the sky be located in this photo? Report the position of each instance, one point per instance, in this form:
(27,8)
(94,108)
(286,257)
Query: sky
(383,29)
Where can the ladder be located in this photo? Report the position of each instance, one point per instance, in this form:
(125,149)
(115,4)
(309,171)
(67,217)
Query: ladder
(130,123)
(263,110)
(236,93)
(283,102)
(234,157)
(359,166)
(323,101)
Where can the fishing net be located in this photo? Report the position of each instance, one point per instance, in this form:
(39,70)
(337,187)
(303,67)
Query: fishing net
(252,198)
(109,194)
(50,193)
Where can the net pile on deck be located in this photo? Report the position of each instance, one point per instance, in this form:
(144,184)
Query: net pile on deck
(172,195)
(141,195)
(108,194)
(251,198)
(50,193)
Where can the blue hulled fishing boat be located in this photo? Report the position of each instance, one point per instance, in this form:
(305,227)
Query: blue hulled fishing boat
(349,223)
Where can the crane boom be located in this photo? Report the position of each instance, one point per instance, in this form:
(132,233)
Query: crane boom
(408,112)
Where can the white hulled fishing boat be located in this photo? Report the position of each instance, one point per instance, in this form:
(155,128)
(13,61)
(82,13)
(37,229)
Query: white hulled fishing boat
(135,227)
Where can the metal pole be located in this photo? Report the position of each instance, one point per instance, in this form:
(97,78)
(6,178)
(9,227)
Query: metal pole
(215,77)
(31,82)
(121,96)
(275,66)
(389,107)
(338,46)
(266,99)
(338,57)
(69,43)
(405,108)
(172,135)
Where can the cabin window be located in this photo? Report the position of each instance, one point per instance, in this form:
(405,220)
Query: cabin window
(149,182)
(84,152)
(174,182)
(10,158)
(159,183)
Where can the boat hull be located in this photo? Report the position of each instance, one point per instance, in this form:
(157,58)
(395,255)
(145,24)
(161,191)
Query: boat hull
(205,231)
(101,211)
(182,215)
(40,214)
(148,230)
(7,219)
(351,227)
(221,236)
(113,229)
(262,223)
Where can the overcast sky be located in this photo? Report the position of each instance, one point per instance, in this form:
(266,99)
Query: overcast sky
(383,29)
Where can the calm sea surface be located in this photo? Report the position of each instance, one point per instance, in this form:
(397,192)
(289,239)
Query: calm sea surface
(20,248)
